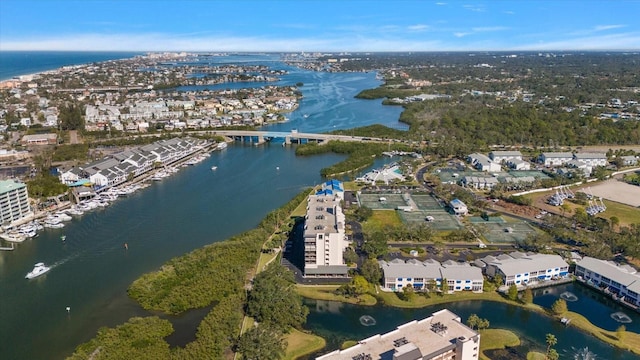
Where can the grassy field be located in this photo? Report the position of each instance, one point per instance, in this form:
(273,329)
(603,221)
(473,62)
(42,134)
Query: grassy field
(300,343)
(491,339)
(627,214)
(325,292)
(381,219)
(534,355)
(630,340)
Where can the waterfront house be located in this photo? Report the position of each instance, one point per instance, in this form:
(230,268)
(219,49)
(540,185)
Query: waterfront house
(441,336)
(522,269)
(620,281)
(555,158)
(421,275)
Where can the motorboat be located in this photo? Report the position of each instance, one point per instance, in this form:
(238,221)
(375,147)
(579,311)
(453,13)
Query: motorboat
(221,146)
(38,270)
(214,168)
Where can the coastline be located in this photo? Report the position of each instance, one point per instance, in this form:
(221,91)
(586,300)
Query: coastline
(86,57)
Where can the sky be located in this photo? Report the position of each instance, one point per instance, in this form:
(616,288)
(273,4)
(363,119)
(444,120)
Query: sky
(327,25)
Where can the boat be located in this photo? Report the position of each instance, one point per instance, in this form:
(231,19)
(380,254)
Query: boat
(38,270)
(305,116)
(63,237)
(222,145)
(214,168)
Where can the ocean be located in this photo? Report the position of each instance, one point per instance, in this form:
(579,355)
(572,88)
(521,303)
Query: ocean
(16,63)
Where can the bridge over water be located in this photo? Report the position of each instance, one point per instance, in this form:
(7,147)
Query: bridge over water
(293,136)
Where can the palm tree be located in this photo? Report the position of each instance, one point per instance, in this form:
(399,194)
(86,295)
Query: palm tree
(551,341)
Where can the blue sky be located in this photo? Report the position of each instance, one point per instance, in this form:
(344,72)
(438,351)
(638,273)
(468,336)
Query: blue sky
(309,25)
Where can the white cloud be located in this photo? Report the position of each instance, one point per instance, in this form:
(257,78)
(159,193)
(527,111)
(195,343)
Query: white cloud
(624,41)
(474,8)
(418,27)
(441,3)
(608,27)
(461,34)
(509,12)
(489,29)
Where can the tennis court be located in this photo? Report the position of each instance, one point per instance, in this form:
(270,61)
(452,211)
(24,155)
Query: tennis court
(382,201)
(506,232)
(442,221)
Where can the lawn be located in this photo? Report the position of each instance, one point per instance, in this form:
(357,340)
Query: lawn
(491,339)
(326,292)
(627,214)
(381,219)
(300,344)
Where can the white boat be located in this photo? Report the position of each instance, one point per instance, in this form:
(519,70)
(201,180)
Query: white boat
(38,270)
(214,168)
(222,145)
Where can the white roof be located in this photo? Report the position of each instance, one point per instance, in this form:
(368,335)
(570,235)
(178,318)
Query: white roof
(624,275)
(525,263)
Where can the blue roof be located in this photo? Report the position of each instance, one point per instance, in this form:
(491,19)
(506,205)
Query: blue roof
(325,192)
(456,201)
(333,184)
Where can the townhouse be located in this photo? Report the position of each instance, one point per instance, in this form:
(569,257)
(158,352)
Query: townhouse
(483,163)
(504,156)
(555,158)
(429,274)
(622,282)
(520,269)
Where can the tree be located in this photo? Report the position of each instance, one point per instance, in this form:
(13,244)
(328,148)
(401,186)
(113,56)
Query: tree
(559,307)
(360,284)
(350,256)
(527,296)
(371,271)
(483,324)
(512,294)
(375,244)
(273,299)
(473,321)
(261,343)
(551,341)
(408,292)
(565,208)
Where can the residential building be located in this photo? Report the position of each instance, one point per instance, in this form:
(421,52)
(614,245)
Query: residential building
(592,159)
(324,237)
(39,139)
(14,201)
(442,336)
(555,158)
(332,187)
(517,164)
(504,156)
(423,275)
(483,163)
(524,268)
(629,160)
(621,281)
(458,207)
(479,182)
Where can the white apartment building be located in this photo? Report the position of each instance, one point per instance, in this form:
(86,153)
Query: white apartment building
(441,336)
(621,281)
(504,156)
(524,268)
(398,274)
(483,163)
(555,158)
(324,237)
(591,159)
(14,201)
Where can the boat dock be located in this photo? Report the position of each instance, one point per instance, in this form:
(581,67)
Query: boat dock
(6,248)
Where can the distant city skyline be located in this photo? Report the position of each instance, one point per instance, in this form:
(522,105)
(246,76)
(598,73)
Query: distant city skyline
(327,26)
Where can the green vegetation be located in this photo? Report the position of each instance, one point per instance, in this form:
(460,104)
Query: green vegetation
(360,156)
(273,301)
(475,322)
(376,130)
(492,339)
(138,338)
(559,307)
(45,185)
(301,343)
(71,152)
